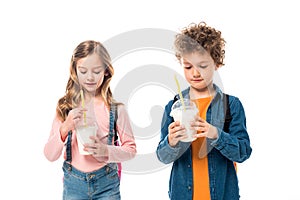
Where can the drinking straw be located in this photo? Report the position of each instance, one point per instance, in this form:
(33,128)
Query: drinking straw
(82,105)
(179,92)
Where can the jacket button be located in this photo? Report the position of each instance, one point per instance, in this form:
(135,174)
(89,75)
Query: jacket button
(189,188)
(189,166)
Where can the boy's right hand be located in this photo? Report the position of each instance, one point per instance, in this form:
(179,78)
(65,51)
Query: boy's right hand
(176,133)
(74,116)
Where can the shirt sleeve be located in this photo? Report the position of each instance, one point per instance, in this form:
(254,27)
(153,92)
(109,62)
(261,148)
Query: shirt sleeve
(165,153)
(127,148)
(54,146)
(235,145)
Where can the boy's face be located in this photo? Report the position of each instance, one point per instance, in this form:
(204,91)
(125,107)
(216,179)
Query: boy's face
(198,70)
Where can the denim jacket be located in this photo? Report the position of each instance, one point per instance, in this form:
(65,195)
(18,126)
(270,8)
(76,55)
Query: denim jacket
(229,147)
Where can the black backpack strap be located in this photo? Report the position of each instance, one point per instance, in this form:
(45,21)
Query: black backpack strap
(176,97)
(228,116)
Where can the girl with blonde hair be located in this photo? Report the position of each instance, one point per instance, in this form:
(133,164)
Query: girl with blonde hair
(94,174)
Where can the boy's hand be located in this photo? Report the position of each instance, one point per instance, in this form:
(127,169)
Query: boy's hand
(176,133)
(205,129)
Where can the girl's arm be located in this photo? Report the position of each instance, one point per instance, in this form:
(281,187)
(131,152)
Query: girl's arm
(54,146)
(127,148)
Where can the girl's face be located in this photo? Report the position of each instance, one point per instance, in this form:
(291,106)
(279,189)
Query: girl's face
(90,72)
(198,70)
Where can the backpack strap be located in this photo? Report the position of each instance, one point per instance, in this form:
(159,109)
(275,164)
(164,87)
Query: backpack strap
(176,97)
(228,119)
(228,116)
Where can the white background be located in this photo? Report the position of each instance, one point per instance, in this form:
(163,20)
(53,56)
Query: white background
(262,61)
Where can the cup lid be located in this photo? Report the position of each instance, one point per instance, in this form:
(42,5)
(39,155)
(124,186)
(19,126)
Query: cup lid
(178,105)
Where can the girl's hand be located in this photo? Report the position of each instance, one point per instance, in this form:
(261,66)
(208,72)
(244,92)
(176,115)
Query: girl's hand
(206,129)
(97,148)
(74,116)
(176,133)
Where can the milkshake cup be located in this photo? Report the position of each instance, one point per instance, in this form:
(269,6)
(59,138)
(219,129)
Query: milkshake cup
(185,114)
(83,133)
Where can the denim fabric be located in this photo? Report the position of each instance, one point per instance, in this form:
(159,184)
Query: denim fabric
(229,147)
(102,184)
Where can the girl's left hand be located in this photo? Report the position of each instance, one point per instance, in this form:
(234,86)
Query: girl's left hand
(205,129)
(97,148)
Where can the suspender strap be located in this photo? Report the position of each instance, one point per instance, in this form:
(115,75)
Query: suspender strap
(113,115)
(111,123)
(115,110)
(69,147)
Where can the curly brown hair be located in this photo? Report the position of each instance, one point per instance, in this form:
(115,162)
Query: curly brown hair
(71,99)
(200,37)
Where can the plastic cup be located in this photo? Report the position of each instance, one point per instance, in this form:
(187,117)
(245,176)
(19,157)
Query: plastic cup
(185,114)
(83,134)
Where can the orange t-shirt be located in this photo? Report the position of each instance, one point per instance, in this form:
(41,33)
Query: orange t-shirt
(201,189)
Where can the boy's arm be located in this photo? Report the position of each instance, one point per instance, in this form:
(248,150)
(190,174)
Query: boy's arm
(235,145)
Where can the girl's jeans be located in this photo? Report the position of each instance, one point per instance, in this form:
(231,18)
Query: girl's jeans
(101,184)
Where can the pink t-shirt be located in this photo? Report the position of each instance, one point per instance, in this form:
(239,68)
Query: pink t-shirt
(87,163)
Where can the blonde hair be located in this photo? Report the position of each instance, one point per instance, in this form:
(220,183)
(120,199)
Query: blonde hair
(71,99)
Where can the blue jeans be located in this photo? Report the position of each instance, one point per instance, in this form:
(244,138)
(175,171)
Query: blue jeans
(102,184)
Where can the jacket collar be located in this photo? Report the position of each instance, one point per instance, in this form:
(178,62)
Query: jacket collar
(186,93)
